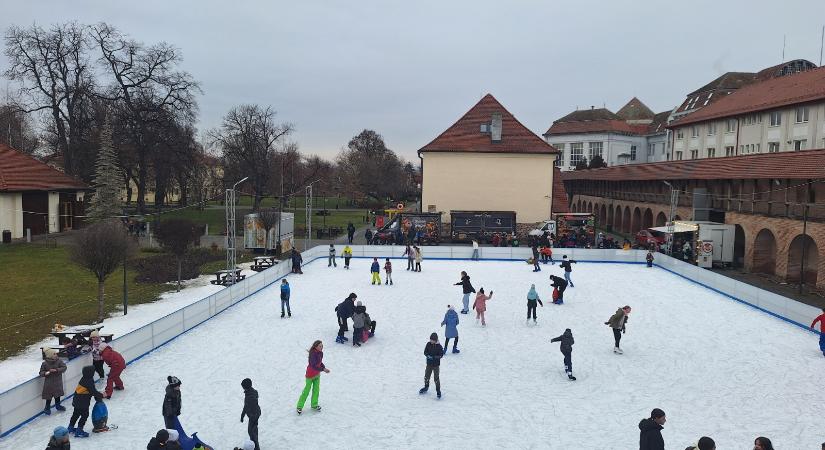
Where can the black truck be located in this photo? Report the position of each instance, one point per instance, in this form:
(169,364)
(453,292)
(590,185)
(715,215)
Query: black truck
(482,225)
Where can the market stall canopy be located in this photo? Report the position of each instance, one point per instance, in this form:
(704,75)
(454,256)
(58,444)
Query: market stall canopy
(677,228)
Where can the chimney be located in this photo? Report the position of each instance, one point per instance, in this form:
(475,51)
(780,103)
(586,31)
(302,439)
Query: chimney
(495,128)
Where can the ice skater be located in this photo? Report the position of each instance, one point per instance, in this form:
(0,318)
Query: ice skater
(547,255)
(410,254)
(535,250)
(475,250)
(350,232)
(565,264)
(297,259)
(618,322)
(480,305)
(649,258)
(83,394)
(347,255)
(116,365)
(763,443)
(51,369)
(466,289)
(251,410)
(375,270)
(559,285)
(433,352)
(419,256)
(344,311)
(650,431)
(567,342)
(388,271)
(451,331)
(171,402)
(821,319)
(97,360)
(313,377)
(59,439)
(532,299)
(331,258)
(285,293)
(359,321)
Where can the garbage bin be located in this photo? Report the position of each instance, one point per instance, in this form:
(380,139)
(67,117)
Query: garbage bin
(6,236)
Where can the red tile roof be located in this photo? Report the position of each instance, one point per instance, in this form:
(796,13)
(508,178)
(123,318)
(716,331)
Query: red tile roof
(465,134)
(792,165)
(777,92)
(20,172)
(596,126)
(560,200)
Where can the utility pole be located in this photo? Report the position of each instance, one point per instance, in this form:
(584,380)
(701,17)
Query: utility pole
(125,289)
(308,211)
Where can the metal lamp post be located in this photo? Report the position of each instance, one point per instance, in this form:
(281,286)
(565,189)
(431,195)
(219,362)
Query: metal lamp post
(230,229)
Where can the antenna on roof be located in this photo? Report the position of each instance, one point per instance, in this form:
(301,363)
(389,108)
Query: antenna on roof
(783,49)
(821,44)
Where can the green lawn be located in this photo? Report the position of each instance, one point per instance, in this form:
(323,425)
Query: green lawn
(215,217)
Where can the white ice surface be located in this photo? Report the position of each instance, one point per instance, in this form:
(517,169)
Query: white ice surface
(24,366)
(717,367)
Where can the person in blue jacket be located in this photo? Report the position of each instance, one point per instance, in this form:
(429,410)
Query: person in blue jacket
(375,270)
(451,331)
(285,298)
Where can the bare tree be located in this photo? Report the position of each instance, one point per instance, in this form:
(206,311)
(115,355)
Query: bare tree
(16,129)
(368,166)
(52,68)
(249,139)
(148,87)
(177,236)
(100,248)
(269,219)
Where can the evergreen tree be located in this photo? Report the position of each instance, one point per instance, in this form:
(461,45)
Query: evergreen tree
(106,199)
(582,164)
(596,162)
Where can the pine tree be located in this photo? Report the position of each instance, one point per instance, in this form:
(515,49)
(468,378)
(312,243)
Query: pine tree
(106,199)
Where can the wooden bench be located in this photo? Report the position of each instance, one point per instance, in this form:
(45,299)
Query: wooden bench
(224,277)
(261,263)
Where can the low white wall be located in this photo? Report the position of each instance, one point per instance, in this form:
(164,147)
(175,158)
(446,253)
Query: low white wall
(23,403)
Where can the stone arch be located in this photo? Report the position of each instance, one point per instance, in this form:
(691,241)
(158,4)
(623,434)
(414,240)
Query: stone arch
(803,249)
(603,215)
(661,219)
(609,223)
(647,219)
(739,241)
(617,219)
(626,220)
(764,252)
(677,217)
(590,207)
(636,223)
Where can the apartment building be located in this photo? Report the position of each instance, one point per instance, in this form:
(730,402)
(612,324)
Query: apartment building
(780,114)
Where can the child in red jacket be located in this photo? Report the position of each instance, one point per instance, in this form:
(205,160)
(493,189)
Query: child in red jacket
(116,365)
(821,319)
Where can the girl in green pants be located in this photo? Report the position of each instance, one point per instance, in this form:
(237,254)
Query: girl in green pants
(313,377)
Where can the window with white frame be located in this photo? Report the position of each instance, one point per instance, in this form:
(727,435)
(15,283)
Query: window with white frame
(773,147)
(711,152)
(595,148)
(776,118)
(730,126)
(753,119)
(757,147)
(680,133)
(694,131)
(651,149)
(576,152)
(678,155)
(802,114)
(800,144)
(730,150)
(559,147)
(711,128)
(694,154)
(741,149)
(633,153)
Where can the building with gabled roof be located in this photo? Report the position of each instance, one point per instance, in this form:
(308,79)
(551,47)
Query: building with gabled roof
(36,196)
(488,161)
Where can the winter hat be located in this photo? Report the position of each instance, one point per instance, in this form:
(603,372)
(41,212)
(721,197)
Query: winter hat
(173,435)
(173,381)
(60,432)
(246,383)
(162,435)
(95,334)
(49,353)
(248,445)
(706,443)
(359,303)
(434,337)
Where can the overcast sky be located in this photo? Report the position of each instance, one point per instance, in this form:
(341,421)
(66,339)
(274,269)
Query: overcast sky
(410,69)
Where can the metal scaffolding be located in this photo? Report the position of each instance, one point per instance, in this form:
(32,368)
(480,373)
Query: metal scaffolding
(230,233)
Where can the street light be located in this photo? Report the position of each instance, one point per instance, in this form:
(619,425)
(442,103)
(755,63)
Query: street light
(230,229)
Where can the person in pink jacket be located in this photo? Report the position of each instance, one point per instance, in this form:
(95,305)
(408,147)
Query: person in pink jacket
(480,305)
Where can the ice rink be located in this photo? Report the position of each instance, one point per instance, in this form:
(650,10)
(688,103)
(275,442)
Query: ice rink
(715,366)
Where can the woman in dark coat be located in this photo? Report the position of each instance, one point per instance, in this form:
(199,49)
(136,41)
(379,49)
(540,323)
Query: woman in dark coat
(650,431)
(52,370)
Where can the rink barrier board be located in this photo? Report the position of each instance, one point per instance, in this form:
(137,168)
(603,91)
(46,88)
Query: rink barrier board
(22,404)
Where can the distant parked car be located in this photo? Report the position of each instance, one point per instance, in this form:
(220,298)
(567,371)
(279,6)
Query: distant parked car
(646,237)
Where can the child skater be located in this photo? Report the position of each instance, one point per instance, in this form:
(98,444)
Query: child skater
(451,323)
(649,258)
(83,394)
(52,370)
(347,255)
(388,270)
(433,351)
(532,298)
(480,305)
(567,342)
(375,270)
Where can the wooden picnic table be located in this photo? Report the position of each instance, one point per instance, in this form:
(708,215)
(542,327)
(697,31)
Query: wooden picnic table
(224,277)
(66,334)
(260,263)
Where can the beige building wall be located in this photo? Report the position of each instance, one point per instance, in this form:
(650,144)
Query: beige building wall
(488,182)
(11,214)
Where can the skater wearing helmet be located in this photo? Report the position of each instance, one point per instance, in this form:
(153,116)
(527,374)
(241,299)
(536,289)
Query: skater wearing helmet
(567,342)
(617,322)
(433,352)
(480,305)
(532,298)
(313,377)
(650,431)
(451,323)
(467,289)
(565,264)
